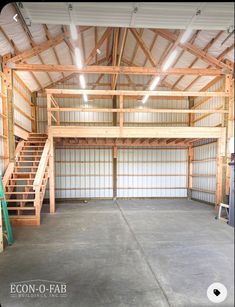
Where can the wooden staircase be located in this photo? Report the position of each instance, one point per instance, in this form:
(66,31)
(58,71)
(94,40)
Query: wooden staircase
(25,181)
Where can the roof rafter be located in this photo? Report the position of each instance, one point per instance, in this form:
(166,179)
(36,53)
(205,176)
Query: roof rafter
(122,46)
(206,48)
(105,35)
(192,49)
(144,47)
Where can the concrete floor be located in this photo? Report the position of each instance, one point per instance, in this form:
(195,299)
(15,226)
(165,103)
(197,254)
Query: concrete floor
(139,253)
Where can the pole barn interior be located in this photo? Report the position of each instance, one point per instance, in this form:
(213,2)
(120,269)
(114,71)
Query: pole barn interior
(117,152)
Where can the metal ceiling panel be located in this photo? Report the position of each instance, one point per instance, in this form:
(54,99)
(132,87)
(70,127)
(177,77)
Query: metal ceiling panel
(168,15)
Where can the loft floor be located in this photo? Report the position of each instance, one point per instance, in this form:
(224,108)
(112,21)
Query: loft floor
(125,253)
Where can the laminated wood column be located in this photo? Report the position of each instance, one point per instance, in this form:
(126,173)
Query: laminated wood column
(229,87)
(114,152)
(114,172)
(10,107)
(52,176)
(191,115)
(34,111)
(190,172)
(5,121)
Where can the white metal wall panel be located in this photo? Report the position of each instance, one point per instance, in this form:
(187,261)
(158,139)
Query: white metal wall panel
(22,104)
(212,103)
(156,119)
(152,172)
(83,172)
(204,172)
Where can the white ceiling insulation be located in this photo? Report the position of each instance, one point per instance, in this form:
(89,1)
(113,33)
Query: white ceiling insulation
(168,15)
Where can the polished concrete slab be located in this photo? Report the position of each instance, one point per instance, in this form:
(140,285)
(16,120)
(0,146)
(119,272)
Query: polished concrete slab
(139,253)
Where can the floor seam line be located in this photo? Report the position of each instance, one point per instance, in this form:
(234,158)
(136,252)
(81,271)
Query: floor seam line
(142,252)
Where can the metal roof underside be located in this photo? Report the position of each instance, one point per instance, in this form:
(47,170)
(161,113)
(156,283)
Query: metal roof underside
(14,32)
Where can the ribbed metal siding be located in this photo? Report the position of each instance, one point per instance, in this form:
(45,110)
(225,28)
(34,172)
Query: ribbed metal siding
(151,173)
(76,118)
(154,119)
(19,101)
(204,165)
(83,172)
(212,103)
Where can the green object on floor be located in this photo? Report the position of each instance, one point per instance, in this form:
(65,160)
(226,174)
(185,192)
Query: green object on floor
(5,214)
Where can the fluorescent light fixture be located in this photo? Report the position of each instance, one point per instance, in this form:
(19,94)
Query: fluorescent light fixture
(154,83)
(146,97)
(82,81)
(185,36)
(78,58)
(85,98)
(170,60)
(73,31)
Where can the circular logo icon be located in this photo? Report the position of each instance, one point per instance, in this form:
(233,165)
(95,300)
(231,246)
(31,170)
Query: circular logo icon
(217,292)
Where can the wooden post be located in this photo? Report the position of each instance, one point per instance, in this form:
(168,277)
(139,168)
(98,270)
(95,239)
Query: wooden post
(114,172)
(48,111)
(34,112)
(121,113)
(10,107)
(11,138)
(191,116)
(230,126)
(114,113)
(52,176)
(190,172)
(114,152)
(5,121)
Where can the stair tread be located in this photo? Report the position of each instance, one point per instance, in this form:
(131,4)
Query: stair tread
(20,185)
(24,173)
(27,200)
(19,193)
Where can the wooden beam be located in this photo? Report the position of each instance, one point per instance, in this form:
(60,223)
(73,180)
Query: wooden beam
(37,49)
(114,52)
(136,70)
(134,110)
(137,132)
(136,93)
(144,47)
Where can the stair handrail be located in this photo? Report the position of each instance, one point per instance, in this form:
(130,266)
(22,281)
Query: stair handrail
(42,166)
(10,168)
